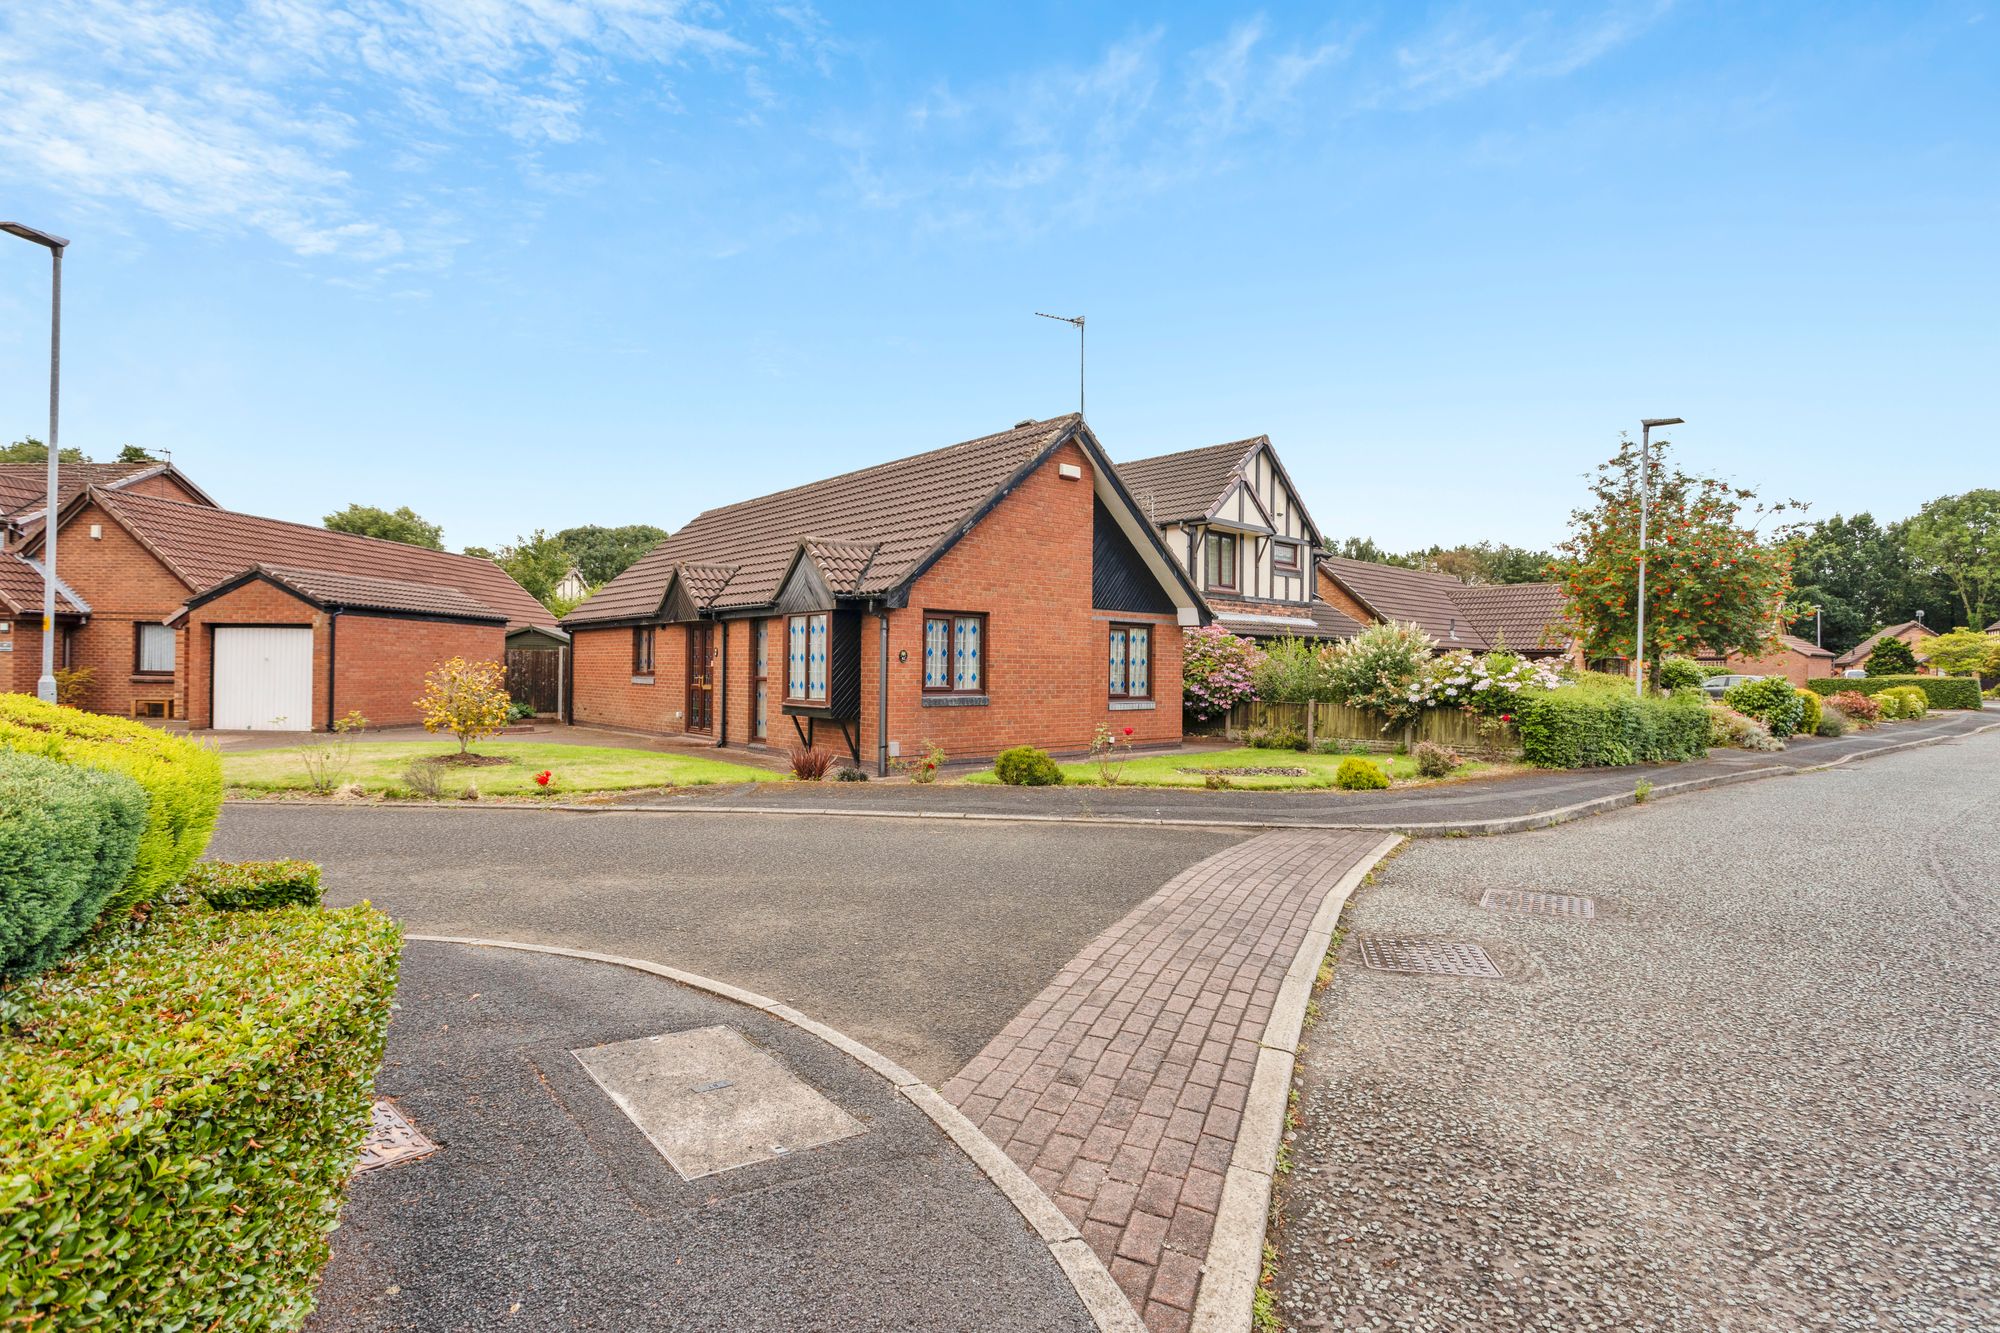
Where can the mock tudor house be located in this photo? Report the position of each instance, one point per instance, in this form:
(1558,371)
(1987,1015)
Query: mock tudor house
(1524,618)
(1231,518)
(1003,591)
(184,610)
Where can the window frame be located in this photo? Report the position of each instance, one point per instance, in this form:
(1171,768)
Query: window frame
(953,619)
(1209,545)
(1279,563)
(643,651)
(1126,627)
(139,667)
(760,679)
(805,679)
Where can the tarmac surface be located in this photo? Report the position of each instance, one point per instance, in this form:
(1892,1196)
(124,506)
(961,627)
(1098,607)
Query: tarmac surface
(920,939)
(1756,1091)
(547,1208)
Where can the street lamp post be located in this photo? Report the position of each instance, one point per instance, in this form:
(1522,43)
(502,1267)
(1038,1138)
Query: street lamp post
(45,685)
(1645,495)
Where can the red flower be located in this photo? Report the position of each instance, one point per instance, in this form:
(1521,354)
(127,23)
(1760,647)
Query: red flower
(543,778)
(1128,731)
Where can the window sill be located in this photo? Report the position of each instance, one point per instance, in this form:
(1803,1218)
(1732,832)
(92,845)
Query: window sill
(1133,705)
(153,678)
(642,680)
(955,701)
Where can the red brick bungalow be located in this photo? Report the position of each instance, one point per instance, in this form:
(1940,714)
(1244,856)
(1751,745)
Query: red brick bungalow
(234,621)
(21,623)
(1524,618)
(1003,591)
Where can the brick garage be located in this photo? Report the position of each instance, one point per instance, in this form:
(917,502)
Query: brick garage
(1027,533)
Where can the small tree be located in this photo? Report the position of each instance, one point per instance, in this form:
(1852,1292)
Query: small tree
(467,699)
(1892,657)
(1964,652)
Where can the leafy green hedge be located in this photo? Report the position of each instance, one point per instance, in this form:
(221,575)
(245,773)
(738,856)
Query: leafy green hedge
(255,886)
(1941,691)
(182,781)
(67,840)
(182,1109)
(1589,727)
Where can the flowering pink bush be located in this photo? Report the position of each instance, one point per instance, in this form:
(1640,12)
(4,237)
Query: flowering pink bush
(1217,671)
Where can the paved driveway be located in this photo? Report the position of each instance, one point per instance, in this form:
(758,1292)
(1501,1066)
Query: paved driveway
(1756,1092)
(921,939)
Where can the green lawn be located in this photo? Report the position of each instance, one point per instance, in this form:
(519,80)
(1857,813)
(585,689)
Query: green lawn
(380,767)
(1174,770)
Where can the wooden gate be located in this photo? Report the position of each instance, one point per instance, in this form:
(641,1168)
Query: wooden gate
(534,677)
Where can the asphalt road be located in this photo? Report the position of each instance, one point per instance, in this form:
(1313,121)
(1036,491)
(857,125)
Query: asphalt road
(546,1208)
(1756,1092)
(921,939)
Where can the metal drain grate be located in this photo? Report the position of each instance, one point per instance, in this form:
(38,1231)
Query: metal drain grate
(1539,904)
(392,1139)
(1432,958)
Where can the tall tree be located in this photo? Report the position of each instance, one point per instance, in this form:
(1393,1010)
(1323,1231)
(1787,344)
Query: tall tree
(602,554)
(1859,576)
(1713,581)
(1364,548)
(537,563)
(402,524)
(132,453)
(1959,537)
(32,450)
(1485,562)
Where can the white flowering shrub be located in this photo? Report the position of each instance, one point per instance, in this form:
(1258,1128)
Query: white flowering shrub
(1489,684)
(1382,669)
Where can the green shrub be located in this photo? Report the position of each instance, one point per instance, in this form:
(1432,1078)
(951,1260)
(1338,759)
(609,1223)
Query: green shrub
(1277,736)
(1737,731)
(1809,715)
(1832,722)
(1891,657)
(1939,691)
(181,1115)
(1358,774)
(182,782)
(1292,671)
(1025,766)
(1674,673)
(1859,708)
(1434,760)
(1771,701)
(255,886)
(1910,701)
(1589,725)
(67,840)
(1889,705)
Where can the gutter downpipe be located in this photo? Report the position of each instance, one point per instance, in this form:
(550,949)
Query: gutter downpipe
(722,704)
(882,696)
(332,663)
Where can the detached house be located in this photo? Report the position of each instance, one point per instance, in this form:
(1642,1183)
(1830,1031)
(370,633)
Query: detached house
(184,610)
(1234,523)
(1911,632)
(1524,618)
(1002,591)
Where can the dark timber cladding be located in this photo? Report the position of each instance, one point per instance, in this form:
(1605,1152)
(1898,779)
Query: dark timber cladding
(1119,579)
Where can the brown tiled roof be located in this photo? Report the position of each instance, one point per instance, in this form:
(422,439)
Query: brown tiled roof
(841,564)
(706,582)
(1859,652)
(1993,628)
(21,591)
(1185,485)
(363,593)
(902,511)
(1254,619)
(1800,646)
(25,486)
(1527,617)
(206,546)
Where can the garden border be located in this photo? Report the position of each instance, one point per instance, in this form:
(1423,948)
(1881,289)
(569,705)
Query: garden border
(1102,1299)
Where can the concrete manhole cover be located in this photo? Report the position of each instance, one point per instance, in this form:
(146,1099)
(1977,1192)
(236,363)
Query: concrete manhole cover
(710,1101)
(392,1139)
(1539,904)
(1433,958)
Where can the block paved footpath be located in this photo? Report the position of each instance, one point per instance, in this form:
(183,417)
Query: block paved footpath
(1120,1087)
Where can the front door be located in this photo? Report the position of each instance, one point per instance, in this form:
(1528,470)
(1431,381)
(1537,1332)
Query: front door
(701,683)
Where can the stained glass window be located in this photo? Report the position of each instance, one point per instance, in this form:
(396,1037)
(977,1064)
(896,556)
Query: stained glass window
(954,654)
(1131,661)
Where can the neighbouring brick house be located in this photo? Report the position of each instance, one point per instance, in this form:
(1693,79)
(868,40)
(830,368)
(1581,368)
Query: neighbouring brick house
(24,490)
(1229,515)
(1003,591)
(1912,632)
(1524,618)
(235,621)
(21,623)
(1791,657)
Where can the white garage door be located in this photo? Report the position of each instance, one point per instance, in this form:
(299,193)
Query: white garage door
(263,678)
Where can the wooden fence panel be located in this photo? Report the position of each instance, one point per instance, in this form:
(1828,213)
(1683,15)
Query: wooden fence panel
(1325,721)
(534,677)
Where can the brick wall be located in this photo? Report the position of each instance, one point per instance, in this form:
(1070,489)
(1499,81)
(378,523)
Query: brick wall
(255,603)
(1340,599)
(162,487)
(123,584)
(1793,666)
(608,694)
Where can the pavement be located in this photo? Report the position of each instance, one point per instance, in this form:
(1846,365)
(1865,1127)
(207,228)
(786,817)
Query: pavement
(1451,805)
(922,940)
(547,1207)
(1756,1091)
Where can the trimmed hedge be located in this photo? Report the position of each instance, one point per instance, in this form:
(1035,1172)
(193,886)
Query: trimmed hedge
(182,782)
(255,886)
(1940,691)
(1590,727)
(67,840)
(181,1115)
(1358,774)
(1026,766)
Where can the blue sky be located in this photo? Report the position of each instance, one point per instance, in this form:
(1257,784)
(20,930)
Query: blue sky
(532,263)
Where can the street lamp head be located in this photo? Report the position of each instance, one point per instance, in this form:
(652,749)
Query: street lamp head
(27,233)
(1651,422)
